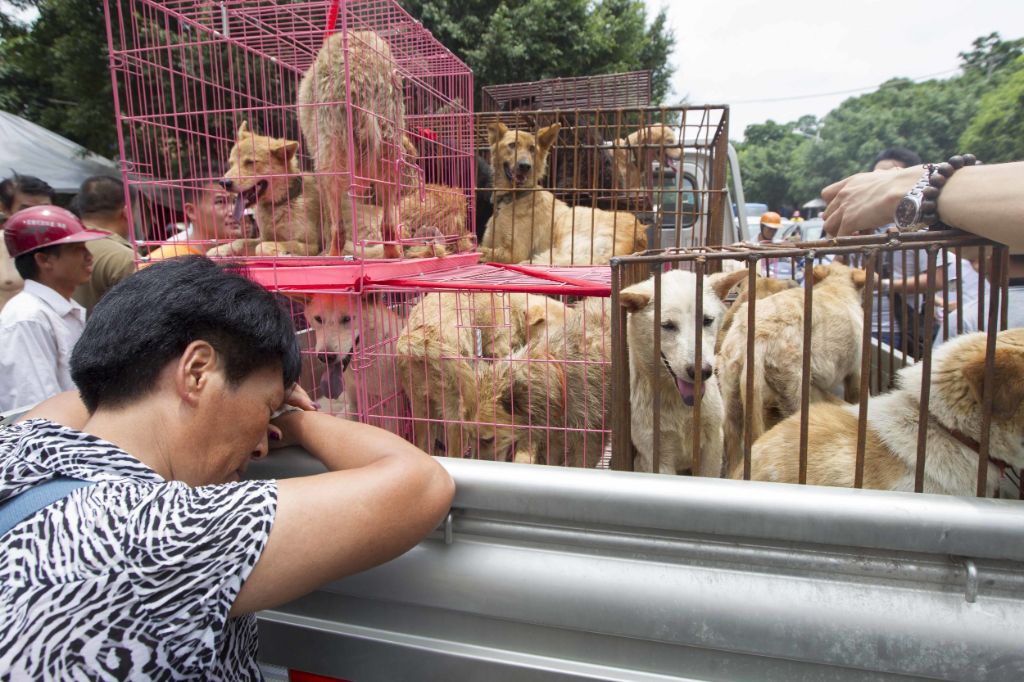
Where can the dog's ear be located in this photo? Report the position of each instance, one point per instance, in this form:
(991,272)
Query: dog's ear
(495,131)
(286,149)
(859,277)
(723,282)
(536,313)
(819,273)
(243,128)
(1009,378)
(637,297)
(409,148)
(547,136)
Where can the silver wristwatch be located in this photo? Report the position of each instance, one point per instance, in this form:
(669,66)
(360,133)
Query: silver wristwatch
(908,210)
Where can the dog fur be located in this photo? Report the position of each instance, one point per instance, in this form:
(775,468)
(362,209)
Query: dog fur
(634,154)
(763,288)
(377,105)
(550,402)
(837,321)
(890,453)
(366,330)
(530,225)
(446,350)
(675,372)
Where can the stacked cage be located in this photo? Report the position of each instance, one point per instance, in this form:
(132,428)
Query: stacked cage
(869,361)
(303,129)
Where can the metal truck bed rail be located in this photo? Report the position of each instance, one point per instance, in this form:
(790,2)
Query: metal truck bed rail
(545,573)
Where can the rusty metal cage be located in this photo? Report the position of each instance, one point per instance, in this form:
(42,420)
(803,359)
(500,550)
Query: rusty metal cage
(607,181)
(607,91)
(342,126)
(758,405)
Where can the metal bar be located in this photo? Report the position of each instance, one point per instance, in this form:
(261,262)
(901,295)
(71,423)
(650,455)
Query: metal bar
(926,373)
(748,407)
(622,459)
(698,372)
(988,383)
(655,370)
(865,369)
(805,365)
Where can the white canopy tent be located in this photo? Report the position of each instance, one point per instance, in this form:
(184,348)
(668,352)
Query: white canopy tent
(30,149)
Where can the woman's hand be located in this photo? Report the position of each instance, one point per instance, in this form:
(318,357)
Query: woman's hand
(281,432)
(866,201)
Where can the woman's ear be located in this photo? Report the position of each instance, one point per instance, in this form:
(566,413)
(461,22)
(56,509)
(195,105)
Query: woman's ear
(194,369)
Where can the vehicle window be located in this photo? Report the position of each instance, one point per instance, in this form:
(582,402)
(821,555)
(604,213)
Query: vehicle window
(681,201)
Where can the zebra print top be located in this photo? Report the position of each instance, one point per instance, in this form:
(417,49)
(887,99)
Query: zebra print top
(130,578)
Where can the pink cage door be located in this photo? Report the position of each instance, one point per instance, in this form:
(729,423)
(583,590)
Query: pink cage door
(292,129)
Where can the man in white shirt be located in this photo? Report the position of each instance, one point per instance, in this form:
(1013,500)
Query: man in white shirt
(39,326)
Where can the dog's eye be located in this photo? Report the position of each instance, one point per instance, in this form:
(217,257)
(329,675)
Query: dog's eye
(318,319)
(488,440)
(345,319)
(533,148)
(708,320)
(670,326)
(512,146)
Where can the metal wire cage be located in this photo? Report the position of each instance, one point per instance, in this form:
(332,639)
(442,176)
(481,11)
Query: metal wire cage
(379,141)
(802,346)
(658,175)
(606,91)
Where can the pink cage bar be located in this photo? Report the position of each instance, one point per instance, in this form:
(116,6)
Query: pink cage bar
(305,128)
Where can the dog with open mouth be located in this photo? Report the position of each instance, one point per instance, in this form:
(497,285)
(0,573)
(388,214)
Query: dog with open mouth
(675,373)
(531,225)
(264,171)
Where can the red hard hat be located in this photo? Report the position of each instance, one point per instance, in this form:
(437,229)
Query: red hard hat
(38,226)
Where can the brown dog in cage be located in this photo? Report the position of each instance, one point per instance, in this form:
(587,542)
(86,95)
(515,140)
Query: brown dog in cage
(345,325)
(531,225)
(890,453)
(675,372)
(739,281)
(265,173)
(835,350)
(446,351)
(633,155)
(549,403)
(355,74)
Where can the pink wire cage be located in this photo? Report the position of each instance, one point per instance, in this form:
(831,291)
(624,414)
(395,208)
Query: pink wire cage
(187,76)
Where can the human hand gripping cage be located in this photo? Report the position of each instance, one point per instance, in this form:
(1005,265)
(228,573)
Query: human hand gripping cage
(860,369)
(343,128)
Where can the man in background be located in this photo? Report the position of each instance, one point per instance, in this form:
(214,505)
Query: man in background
(40,326)
(16,193)
(100,204)
(210,212)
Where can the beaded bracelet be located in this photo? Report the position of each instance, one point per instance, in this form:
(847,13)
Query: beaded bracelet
(936,181)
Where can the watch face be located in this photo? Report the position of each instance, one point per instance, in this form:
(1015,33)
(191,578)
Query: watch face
(908,211)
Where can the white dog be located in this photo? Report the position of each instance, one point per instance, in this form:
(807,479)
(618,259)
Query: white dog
(355,337)
(675,372)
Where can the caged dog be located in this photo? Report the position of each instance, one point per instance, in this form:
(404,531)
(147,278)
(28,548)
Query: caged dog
(531,225)
(446,351)
(675,372)
(890,453)
(549,403)
(356,338)
(634,154)
(264,171)
(837,320)
(374,95)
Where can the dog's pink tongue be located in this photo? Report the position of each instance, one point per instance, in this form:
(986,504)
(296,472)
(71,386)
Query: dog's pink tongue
(332,382)
(687,393)
(239,209)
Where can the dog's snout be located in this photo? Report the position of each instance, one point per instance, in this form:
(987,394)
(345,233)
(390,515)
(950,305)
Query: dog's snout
(227,184)
(706,370)
(524,166)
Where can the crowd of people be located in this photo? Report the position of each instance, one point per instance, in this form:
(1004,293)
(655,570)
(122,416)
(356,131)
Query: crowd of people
(136,550)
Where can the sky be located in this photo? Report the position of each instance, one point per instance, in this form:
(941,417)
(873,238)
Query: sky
(779,59)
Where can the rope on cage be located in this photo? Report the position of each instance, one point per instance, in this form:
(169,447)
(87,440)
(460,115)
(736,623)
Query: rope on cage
(332,18)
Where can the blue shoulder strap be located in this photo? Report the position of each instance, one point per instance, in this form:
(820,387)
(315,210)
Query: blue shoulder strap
(26,503)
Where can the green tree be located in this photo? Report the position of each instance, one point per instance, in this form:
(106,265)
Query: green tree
(55,72)
(996,133)
(511,42)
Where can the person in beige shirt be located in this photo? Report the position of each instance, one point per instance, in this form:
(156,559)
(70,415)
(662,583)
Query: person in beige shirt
(100,203)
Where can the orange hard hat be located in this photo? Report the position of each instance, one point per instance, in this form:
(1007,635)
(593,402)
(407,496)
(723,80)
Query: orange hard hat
(771,219)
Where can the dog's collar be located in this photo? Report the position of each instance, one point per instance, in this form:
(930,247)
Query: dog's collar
(502,198)
(970,444)
(294,190)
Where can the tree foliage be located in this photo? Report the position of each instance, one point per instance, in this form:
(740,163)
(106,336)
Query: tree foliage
(980,110)
(513,42)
